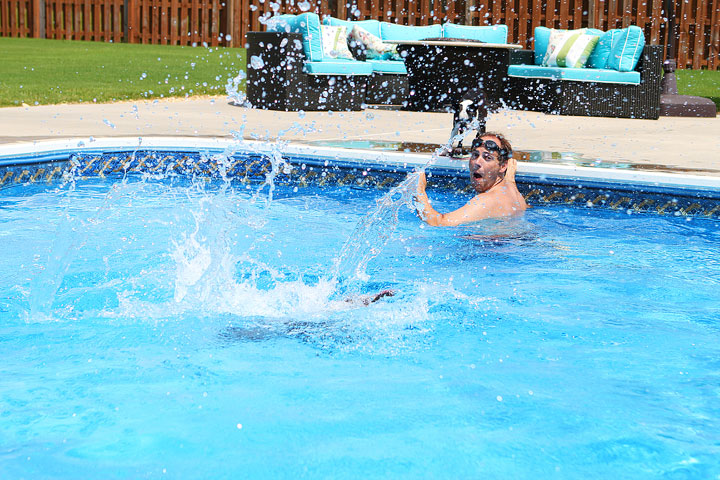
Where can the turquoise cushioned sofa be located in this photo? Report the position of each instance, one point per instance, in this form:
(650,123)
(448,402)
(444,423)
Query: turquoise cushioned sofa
(621,78)
(288,69)
(388,82)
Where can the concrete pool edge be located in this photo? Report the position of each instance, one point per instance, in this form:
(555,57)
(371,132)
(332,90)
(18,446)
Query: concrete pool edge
(61,150)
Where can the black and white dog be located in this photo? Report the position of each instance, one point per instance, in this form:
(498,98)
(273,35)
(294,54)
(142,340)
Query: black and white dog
(469,112)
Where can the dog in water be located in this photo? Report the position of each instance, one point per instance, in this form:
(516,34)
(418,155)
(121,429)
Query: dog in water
(469,112)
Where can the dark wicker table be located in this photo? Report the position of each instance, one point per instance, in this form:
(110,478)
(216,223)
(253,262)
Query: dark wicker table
(441,71)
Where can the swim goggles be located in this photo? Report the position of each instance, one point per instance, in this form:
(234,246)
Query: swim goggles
(489,145)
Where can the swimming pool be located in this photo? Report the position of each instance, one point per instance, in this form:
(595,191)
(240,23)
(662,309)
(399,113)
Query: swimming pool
(179,323)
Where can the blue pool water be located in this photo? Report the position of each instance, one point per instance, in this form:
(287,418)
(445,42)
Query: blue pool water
(178,329)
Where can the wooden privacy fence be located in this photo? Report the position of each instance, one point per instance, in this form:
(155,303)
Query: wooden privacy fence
(170,22)
(697,39)
(217,22)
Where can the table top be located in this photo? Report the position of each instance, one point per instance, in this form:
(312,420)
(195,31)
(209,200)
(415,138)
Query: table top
(455,43)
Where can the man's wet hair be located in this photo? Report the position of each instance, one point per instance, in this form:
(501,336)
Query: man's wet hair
(505,148)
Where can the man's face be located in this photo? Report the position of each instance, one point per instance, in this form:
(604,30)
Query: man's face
(485,167)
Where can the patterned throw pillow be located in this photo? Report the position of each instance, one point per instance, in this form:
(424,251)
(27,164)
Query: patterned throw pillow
(569,48)
(375,49)
(334,42)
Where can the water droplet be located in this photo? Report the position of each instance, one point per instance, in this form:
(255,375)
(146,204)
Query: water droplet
(256,62)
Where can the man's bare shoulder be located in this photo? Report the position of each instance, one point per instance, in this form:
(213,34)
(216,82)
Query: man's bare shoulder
(502,201)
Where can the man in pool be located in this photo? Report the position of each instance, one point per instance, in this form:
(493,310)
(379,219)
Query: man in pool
(492,175)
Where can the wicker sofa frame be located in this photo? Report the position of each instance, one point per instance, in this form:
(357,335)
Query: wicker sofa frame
(387,89)
(590,99)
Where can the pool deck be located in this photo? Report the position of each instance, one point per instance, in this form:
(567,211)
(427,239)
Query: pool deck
(682,145)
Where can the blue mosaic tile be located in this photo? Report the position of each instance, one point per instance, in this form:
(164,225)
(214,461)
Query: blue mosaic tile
(307,171)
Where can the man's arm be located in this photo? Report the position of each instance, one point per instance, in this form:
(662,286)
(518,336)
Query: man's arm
(479,208)
(511,171)
(426,212)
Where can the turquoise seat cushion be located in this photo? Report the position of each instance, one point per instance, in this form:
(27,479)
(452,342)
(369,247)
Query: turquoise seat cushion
(601,53)
(535,71)
(394,32)
(372,26)
(338,67)
(388,66)
(307,24)
(626,53)
(575,74)
(488,34)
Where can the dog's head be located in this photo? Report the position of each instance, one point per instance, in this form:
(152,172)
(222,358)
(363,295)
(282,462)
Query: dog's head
(473,105)
(466,111)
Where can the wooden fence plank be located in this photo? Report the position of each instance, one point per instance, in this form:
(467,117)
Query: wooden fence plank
(242,21)
(582,9)
(550,14)
(215,22)
(4,18)
(49,19)
(700,15)
(119,21)
(714,55)
(511,17)
(524,15)
(174,22)
(164,7)
(683,35)
(106,25)
(12,16)
(656,17)
(20,27)
(563,16)
(194,21)
(205,20)
(154,22)
(77,20)
(98,33)
(20,20)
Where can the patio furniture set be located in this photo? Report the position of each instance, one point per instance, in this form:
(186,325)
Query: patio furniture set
(301,63)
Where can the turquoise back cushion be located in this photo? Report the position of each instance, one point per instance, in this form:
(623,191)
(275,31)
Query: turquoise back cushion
(392,31)
(489,34)
(618,49)
(372,26)
(308,24)
(281,23)
(542,38)
(601,53)
(626,52)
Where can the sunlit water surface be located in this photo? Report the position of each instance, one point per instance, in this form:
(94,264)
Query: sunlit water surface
(162,328)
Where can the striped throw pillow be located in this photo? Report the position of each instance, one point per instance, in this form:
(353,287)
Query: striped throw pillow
(334,42)
(569,48)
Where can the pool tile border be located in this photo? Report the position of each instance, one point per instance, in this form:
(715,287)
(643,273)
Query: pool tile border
(617,189)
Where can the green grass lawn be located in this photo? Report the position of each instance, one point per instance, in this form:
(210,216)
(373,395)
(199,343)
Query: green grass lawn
(39,72)
(35,71)
(701,83)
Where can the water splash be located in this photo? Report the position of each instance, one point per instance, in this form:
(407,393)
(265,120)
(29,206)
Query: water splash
(374,230)
(232,88)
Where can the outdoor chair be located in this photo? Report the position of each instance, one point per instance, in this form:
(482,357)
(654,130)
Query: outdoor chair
(595,92)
